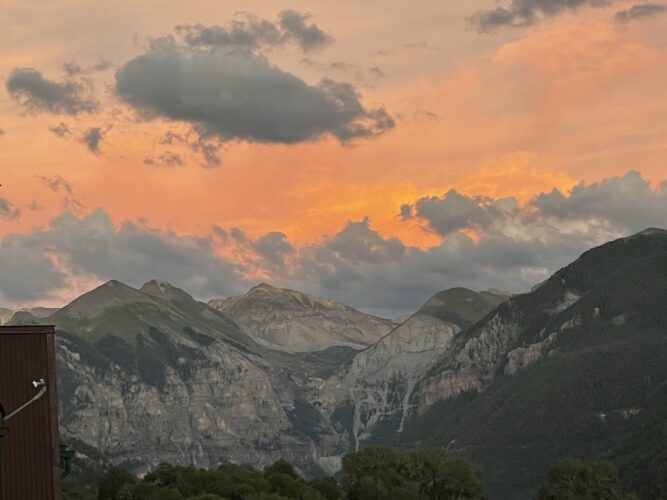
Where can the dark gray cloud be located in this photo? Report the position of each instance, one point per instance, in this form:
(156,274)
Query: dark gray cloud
(273,248)
(92,246)
(8,210)
(36,94)
(623,204)
(268,253)
(640,11)
(166,159)
(240,95)
(307,35)
(92,138)
(454,211)
(252,32)
(520,13)
(390,277)
(451,212)
(358,243)
(627,203)
(61,130)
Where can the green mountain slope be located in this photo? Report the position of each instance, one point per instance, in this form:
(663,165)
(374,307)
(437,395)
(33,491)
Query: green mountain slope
(576,368)
(461,306)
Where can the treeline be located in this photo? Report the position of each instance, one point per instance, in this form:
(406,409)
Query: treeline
(374,473)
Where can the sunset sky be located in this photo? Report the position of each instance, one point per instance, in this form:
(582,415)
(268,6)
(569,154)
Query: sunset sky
(372,151)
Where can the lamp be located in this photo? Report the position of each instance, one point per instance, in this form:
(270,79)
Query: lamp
(66,456)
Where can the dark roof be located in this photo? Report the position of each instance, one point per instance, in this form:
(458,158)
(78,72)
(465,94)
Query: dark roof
(27,329)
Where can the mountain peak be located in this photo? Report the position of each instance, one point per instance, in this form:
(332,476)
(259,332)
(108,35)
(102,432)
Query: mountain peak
(266,287)
(285,319)
(113,293)
(651,231)
(164,290)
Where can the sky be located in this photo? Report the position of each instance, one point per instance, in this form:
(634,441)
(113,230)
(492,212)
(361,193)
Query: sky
(372,151)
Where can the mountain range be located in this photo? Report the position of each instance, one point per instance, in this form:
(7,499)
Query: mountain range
(575,367)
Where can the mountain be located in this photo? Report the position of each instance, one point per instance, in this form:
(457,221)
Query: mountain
(372,398)
(575,368)
(35,312)
(295,322)
(152,375)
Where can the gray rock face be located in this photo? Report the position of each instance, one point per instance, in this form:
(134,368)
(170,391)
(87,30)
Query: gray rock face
(152,375)
(379,384)
(224,408)
(380,388)
(295,322)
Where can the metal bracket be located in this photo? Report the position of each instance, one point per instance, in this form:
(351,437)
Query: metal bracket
(41,384)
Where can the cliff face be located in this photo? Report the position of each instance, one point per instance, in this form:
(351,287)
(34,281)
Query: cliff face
(152,375)
(377,391)
(217,405)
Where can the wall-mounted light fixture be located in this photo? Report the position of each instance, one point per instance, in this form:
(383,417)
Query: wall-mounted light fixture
(4,431)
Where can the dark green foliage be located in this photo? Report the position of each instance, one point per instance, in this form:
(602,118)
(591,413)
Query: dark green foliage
(71,488)
(113,482)
(281,466)
(327,487)
(372,473)
(574,479)
(379,472)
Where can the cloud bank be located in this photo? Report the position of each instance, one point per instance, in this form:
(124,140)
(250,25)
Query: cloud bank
(486,243)
(239,95)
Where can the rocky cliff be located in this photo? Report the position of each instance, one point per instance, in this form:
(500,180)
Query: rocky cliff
(152,375)
(375,396)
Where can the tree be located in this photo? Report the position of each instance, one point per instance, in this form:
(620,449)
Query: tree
(575,479)
(440,477)
(112,483)
(429,474)
(72,489)
(327,487)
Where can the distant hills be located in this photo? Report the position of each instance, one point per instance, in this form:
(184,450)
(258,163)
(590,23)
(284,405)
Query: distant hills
(36,312)
(575,368)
